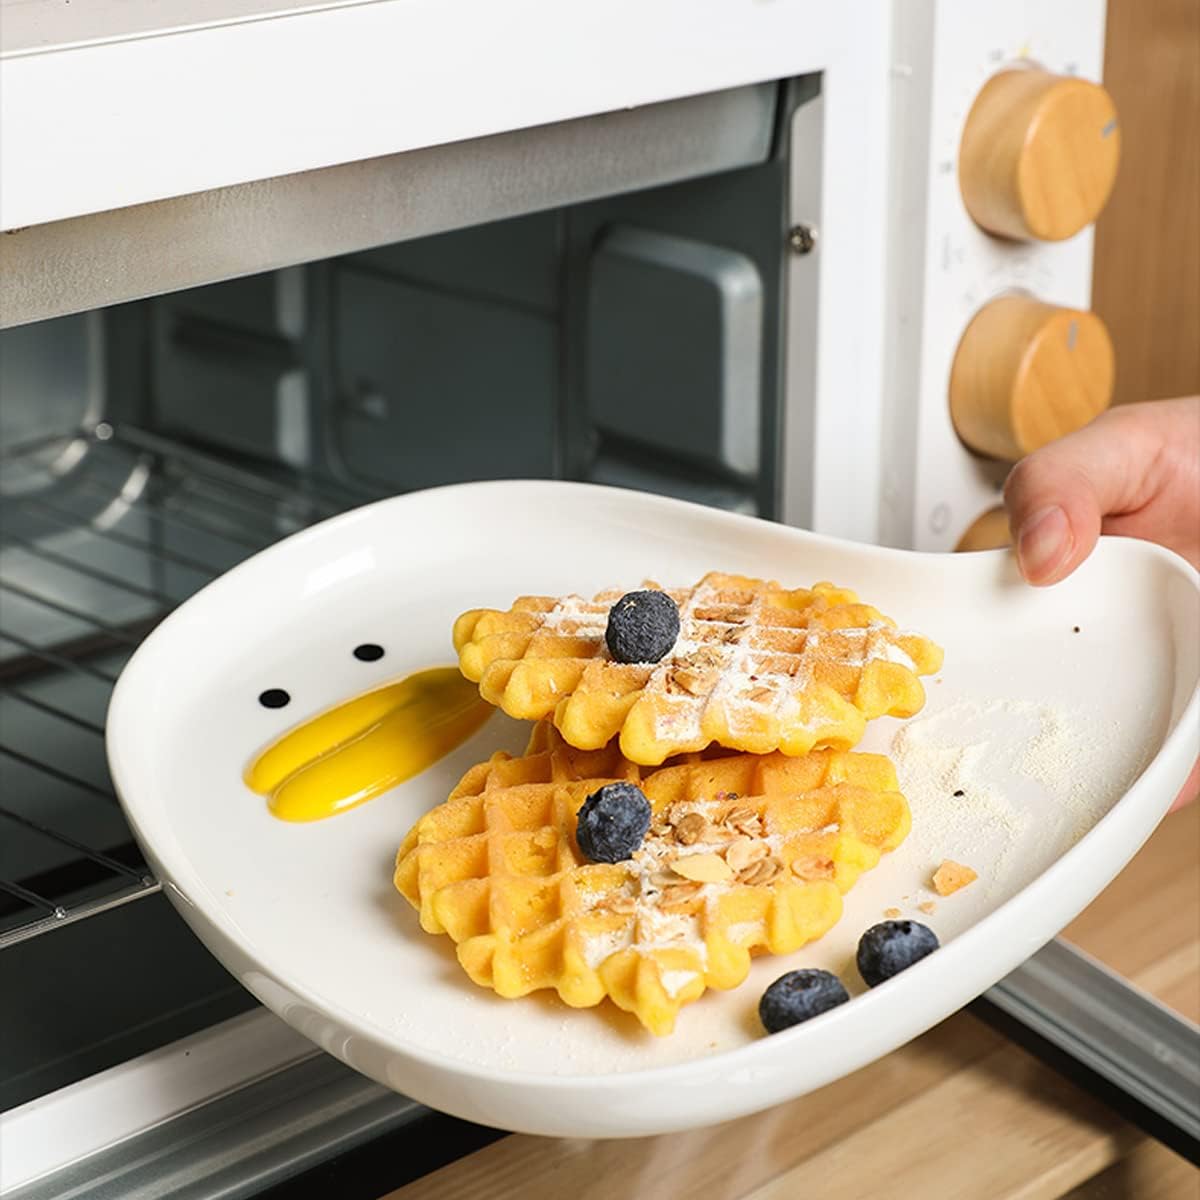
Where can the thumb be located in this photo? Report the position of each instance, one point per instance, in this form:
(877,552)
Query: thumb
(1058,497)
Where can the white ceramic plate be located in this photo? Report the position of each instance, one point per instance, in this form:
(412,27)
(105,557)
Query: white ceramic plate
(1044,730)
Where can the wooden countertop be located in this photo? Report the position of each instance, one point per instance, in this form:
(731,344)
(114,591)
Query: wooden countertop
(958,1114)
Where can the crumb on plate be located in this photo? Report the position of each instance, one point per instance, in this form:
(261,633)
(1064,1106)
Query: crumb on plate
(952,876)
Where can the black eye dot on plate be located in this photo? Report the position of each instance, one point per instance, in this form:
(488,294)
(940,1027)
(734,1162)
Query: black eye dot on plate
(368,652)
(274,698)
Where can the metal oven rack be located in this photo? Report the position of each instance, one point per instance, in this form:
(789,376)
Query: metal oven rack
(104,534)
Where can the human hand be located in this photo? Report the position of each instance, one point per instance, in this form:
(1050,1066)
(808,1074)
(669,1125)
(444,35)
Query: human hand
(1133,472)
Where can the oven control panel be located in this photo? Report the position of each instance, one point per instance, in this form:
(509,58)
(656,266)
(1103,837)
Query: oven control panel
(1005,150)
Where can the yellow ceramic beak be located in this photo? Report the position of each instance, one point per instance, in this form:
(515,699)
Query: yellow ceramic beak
(353,752)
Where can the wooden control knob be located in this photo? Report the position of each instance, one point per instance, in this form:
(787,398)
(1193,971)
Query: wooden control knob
(1026,373)
(987,532)
(1039,154)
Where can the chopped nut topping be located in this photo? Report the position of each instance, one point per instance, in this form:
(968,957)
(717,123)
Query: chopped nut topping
(690,828)
(739,812)
(680,894)
(813,868)
(952,876)
(760,695)
(664,878)
(703,868)
(706,658)
(695,683)
(760,872)
(743,851)
(742,819)
(616,902)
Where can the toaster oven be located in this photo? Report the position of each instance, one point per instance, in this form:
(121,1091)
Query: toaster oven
(265,261)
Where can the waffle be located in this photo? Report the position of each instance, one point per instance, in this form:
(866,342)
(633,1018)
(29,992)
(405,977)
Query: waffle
(756,667)
(746,854)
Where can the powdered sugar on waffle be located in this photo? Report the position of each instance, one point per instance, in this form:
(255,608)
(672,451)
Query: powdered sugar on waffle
(675,981)
(649,927)
(718,654)
(577,617)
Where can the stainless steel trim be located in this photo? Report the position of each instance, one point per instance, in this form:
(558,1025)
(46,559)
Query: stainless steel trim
(91,1116)
(86,262)
(239,1145)
(1113,1029)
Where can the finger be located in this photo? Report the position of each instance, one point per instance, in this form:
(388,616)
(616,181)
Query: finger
(1058,497)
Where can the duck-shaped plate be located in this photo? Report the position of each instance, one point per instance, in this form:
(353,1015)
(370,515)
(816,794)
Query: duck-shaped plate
(1051,743)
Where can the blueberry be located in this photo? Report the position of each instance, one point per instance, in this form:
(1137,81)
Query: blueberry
(888,948)
(797,996)
(642,627)
(613,822)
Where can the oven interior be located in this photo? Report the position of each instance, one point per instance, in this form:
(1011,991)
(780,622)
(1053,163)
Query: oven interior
(146,447)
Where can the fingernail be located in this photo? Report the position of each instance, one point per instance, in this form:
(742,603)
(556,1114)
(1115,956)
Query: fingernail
(1043,542)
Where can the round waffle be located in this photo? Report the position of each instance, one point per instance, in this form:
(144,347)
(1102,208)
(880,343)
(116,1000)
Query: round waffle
(756,667)
(746,854)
